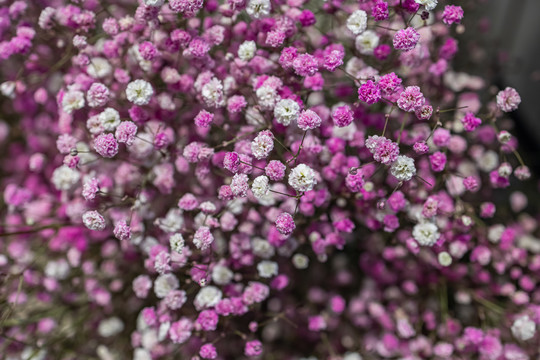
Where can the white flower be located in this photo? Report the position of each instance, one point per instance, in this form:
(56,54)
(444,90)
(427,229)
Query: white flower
(286,110)
(262,145)
(99,68)
(403,168)
(267,97)
(488,161)
(300,261)
(246,50)
(495,233)
(164,284)
(426,233)
(366,42)
(153,2)
(141,354)
(177,243)
(260,186)
(523,328)
(172,222)
(212,93)
(207,297)
(110,327)
(57,269)
(267,269)
(444,258)
(139,92)
(428,4)
(7,89)
(258,8)
(221,275)
(93,220)
(65,177)
(109,119)
(72,100)
(302,178)
(262,248)
(357,22)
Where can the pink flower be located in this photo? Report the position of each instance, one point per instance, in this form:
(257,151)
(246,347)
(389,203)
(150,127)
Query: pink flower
(411,99)
(406,39)
(308,120)
(508,99)
(106,145)
(452,14)
(369,93)
(285,224)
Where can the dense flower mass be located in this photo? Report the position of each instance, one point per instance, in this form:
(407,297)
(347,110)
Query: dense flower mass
(230,179)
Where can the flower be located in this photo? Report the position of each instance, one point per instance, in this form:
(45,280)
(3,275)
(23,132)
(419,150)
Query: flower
(285,224)
(286,111)
(366,42)
(262,145)
(403,168)
(411,99)
(428,4)
(357,22)
(106,145)
(260,186)
(258,8)
(508,99)
(308,120)
(426,233)
(406,39)
(93,220)
(246,50)
(302,178)
(523,328)
(139,92)
(203,238)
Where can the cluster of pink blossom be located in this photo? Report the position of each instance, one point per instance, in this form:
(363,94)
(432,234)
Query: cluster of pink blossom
(230,179)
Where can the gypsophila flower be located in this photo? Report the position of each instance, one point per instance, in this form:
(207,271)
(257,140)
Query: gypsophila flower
(203,238)
(176,242)
(207,297)
(258,8)
(411,99)
(122,231)
(90,189)
(308,120)
(267,269)
(403,168)
(426,233)
(212,93)
(428,4)
(508,99)
(523,328)
(286,111)
(64,178)
(99,68)
(164,284)
(260,187)
(452,14)
(357,22)
(444,258)
(106,145)
(366,42)
(72,100)
(139,92)
(302,178)
(109,119)
(406,39)
(300,261)
(125,132)
(246,50)
(93,220)
(262,145)
(97,95)
(239,185)
(285,224)
(369,93)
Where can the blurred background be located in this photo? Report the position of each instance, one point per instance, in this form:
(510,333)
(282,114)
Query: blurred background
(507,51)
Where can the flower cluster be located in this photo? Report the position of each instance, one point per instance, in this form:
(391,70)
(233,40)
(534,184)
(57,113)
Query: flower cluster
(228,179)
